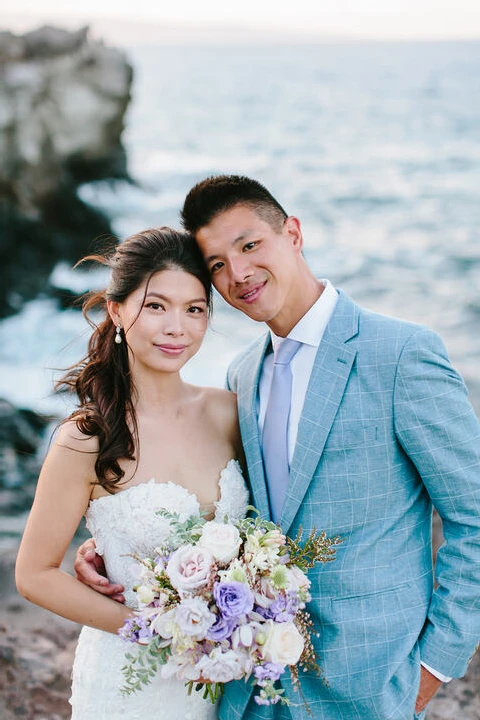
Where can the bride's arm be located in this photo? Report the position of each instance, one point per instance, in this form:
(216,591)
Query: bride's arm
(62,496)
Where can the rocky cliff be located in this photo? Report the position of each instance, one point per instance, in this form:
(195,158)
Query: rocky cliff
(63,99)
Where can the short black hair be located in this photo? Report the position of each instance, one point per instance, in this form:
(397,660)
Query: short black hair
(219,193)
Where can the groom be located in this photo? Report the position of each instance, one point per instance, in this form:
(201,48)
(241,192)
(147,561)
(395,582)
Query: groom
(379,429)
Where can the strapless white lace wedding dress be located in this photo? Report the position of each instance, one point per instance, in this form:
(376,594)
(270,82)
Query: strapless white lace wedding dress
(121,524)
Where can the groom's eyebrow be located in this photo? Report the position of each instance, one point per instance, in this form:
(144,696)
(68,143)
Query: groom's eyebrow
(235,241)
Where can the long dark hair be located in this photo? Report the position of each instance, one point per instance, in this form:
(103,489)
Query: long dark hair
(102,379)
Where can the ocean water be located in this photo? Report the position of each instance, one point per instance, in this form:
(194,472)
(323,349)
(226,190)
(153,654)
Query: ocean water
(374,146)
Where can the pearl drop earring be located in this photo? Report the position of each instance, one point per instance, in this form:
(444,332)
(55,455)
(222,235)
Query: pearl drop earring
(118,337)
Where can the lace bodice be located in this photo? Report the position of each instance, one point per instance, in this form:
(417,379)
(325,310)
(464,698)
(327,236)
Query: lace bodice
(127,523)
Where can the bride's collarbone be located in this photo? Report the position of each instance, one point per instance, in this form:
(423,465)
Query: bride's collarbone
(203,418)
(192,457)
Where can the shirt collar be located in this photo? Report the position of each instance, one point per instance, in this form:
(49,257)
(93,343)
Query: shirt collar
(310,328)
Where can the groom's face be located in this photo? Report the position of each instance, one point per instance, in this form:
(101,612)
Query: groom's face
(254,266)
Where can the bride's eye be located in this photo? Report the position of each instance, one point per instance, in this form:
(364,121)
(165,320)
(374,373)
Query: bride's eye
(154,306)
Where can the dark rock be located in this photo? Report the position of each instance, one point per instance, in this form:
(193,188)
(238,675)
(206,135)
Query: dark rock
(12,47)
(63,102)
(50,41)
(21,437)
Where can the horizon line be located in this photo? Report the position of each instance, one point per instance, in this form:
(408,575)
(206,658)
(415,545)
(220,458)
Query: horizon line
(113,28)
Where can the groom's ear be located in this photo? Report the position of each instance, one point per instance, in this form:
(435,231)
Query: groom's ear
(293,229)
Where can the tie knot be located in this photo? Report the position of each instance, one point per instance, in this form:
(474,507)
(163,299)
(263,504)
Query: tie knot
(285,350)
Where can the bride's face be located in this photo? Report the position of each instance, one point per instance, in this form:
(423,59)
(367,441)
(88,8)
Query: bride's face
(164,320)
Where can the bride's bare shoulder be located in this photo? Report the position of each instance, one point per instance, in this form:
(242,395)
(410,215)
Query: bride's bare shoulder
(221,402)
(70,436)
(221,411)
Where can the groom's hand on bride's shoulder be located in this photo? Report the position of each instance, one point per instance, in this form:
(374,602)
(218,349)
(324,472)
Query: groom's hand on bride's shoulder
(90,570)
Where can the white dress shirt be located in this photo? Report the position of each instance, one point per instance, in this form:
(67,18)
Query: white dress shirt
(309,331)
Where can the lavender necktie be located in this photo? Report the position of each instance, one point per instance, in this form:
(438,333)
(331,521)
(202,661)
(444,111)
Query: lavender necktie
(275,427)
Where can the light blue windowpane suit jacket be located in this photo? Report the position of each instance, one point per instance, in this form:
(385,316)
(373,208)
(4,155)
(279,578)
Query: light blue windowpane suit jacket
(386,432)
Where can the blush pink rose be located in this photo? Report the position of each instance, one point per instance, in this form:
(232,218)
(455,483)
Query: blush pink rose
(189,568)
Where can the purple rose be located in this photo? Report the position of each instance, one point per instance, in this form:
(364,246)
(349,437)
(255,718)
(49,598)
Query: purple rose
(233,598)
(222,628)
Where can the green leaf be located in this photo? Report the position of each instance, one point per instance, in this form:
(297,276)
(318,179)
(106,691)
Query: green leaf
(143,666)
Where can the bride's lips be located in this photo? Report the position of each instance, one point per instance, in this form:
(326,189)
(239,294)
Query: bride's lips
(252,293)
(172,350)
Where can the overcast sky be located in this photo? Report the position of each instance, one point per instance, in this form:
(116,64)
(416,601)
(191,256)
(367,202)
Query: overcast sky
(382,19)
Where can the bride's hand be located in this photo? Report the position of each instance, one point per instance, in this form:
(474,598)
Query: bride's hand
(90,570)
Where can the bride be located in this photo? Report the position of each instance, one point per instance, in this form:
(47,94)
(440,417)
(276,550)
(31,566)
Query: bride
(142,439)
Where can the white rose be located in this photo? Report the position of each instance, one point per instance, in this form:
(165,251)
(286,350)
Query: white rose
(223,540)
(283,644)
(194,618)
(221,666)
(189,568)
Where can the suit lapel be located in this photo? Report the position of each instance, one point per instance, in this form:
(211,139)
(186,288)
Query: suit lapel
(247,393)
(331,370)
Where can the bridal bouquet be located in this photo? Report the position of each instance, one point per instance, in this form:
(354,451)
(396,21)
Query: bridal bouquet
(225,601)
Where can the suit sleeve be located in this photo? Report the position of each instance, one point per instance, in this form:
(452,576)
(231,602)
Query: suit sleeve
(438,430)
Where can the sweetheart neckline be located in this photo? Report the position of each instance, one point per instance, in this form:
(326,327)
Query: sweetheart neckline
(152,481)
